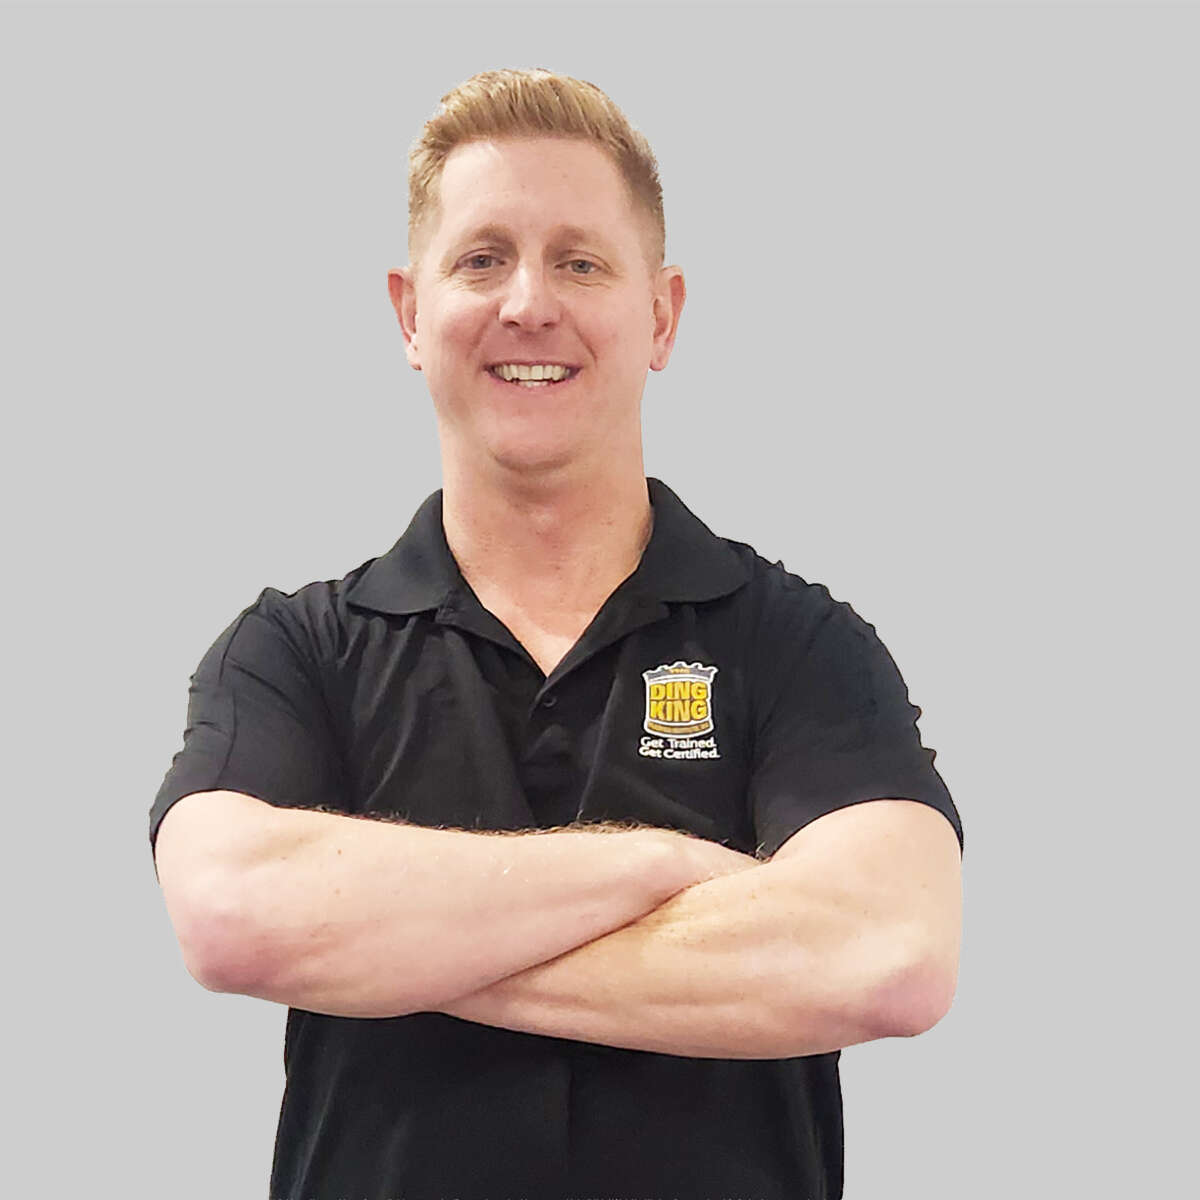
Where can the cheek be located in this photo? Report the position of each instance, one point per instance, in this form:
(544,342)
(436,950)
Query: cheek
(628,348)
(447,338)
(608,341)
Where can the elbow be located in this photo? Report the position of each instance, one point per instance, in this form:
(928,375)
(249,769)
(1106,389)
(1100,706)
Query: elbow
(915,995)
(217,950)
(217,961)
(203,861)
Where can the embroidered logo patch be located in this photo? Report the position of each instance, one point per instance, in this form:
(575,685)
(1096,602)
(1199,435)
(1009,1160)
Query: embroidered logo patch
(679,712)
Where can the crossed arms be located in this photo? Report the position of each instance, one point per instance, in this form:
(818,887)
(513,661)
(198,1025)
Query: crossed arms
(849,933)
(644,939)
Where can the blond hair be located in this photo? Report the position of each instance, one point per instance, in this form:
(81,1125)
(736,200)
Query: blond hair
(532,102)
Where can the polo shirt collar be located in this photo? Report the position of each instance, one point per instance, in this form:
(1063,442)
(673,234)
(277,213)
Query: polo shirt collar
(683,561)
(416,574)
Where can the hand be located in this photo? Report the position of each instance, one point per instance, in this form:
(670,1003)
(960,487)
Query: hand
(698,860)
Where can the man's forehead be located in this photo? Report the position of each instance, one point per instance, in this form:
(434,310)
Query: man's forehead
(577,217)
(476,213)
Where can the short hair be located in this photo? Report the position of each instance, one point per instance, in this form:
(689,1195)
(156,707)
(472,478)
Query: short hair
(533,102)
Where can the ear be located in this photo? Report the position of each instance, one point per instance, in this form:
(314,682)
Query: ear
(402,291)
(669,295)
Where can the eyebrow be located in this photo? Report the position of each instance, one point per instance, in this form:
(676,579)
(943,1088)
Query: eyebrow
(563,233)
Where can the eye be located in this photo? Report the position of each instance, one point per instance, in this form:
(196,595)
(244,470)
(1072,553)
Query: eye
(575,262)
(474,258)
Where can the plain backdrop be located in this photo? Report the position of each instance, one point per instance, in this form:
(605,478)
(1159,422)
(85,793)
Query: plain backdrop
(939,353)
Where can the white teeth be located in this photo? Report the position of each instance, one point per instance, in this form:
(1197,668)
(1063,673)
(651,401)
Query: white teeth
(511,371)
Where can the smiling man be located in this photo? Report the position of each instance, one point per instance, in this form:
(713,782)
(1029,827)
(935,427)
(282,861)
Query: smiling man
(534,312)
(577,840)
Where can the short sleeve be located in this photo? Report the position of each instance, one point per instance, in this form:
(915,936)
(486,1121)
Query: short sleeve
(835,727)
(257,721)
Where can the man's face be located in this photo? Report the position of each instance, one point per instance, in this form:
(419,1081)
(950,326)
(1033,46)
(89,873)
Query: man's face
(536,258)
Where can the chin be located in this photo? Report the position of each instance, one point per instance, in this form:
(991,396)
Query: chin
(532,458)
(533,464)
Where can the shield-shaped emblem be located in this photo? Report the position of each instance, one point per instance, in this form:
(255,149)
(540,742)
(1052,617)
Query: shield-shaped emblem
(679,700)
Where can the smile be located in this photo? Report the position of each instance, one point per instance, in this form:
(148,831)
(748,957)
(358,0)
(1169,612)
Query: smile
(533,375)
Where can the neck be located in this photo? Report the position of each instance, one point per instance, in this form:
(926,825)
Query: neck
(556,544)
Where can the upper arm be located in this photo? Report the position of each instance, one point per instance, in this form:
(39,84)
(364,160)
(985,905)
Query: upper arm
(834,722)
(258,738)
(257,722)
(896,865)
(899,849)
(844,796)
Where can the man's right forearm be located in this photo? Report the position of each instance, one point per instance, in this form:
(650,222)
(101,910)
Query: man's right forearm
(368,918)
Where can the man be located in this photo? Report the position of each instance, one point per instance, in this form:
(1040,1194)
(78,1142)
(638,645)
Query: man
(651,834)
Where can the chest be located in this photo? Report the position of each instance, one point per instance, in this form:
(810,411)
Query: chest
(446,729)
(547,643)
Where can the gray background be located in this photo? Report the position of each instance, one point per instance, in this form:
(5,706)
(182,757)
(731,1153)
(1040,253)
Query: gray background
(940,336)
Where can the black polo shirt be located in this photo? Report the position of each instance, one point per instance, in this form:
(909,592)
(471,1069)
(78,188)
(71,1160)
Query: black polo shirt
(713,692)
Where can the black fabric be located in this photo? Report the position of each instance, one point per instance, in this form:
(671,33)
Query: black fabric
(394,692)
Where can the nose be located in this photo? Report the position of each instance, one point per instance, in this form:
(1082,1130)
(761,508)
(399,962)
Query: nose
(529,298)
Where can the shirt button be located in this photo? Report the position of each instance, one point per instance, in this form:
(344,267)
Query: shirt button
(549,701)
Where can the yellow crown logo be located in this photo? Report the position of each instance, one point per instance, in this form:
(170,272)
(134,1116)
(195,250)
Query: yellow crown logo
(679,700)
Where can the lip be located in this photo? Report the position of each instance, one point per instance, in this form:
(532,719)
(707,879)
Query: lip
(531,362)
(575,372)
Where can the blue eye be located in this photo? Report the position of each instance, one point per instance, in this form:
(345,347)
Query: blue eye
(586,262)
(476,257)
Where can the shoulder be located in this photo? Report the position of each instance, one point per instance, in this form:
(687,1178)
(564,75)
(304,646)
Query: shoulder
(796,639)
(784,604)
(316,618)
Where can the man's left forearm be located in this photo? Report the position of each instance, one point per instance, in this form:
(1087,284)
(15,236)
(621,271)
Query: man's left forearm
(712,973)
